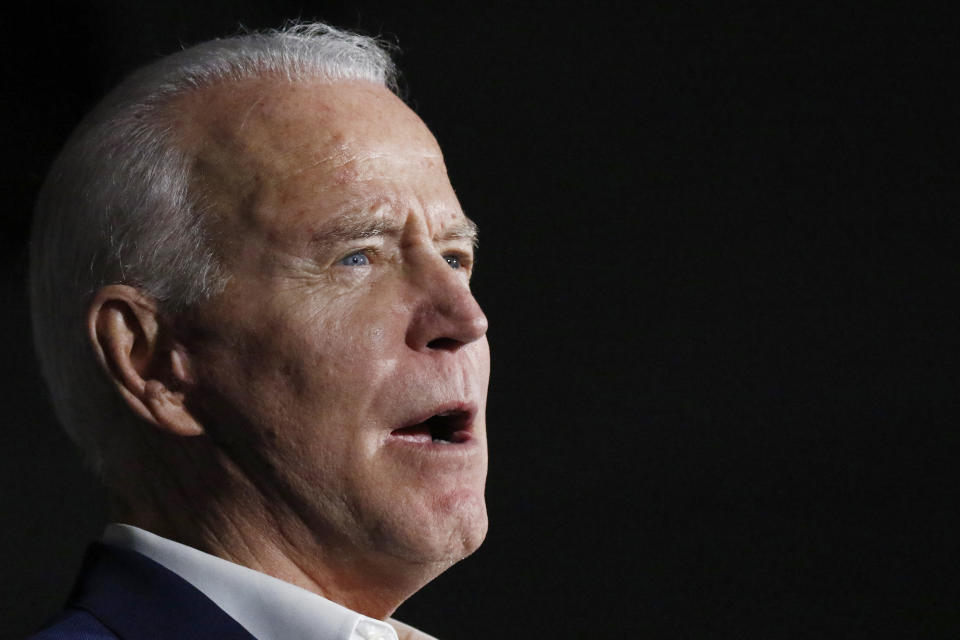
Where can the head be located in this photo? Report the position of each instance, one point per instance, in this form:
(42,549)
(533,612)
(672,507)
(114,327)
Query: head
(250,273)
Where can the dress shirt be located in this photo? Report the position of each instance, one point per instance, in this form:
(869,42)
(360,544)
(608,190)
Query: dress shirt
(269,608)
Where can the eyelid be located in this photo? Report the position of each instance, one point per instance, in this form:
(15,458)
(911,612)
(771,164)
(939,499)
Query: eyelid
(465,257)
(368,251)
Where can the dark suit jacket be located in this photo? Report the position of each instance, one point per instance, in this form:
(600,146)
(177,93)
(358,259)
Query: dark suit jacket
(123,594)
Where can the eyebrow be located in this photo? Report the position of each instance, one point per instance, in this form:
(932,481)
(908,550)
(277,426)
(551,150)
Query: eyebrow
(349,228)
(465,229)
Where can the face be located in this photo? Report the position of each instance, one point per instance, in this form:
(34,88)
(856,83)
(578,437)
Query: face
(345,366)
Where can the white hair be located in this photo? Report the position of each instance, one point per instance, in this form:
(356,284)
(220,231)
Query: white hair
(117,206)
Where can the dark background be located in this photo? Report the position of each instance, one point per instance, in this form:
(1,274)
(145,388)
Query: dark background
(722,289)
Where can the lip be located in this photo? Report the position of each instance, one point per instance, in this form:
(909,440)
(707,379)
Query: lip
(460,426)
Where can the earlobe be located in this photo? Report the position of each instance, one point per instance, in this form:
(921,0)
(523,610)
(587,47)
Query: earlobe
(124,330)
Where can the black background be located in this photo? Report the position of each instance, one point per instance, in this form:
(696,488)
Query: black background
(717,260)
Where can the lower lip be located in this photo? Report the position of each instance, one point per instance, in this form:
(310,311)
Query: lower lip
(462,442)
(458,437)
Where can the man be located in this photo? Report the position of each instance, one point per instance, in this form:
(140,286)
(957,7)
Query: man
(250,288)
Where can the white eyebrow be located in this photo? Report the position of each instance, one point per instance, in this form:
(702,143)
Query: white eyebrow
(465,229)
(357,227)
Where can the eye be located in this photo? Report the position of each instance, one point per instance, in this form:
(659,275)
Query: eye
(356,259)
(452,260)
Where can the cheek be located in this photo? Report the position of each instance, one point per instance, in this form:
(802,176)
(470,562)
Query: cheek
(353,353)
(337,338)
(306,372)
(329,375)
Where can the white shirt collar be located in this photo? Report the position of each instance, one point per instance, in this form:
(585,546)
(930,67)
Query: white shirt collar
(270,609)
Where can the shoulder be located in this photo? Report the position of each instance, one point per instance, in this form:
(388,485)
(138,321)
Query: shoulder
(74,624)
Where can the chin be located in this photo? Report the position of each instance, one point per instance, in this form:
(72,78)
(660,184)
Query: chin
(445,534)
(471,536)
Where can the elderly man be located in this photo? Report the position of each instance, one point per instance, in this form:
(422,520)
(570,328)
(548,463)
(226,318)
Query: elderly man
(251,295)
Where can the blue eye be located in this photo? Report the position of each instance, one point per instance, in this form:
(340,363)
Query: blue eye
(358,259)
(453,261)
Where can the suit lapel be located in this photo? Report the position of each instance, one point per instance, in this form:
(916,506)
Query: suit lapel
(139,599)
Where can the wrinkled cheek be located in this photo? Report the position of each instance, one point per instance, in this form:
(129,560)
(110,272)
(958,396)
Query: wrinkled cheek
(358,356)
(379,357)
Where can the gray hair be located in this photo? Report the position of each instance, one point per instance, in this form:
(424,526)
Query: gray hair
(117,206)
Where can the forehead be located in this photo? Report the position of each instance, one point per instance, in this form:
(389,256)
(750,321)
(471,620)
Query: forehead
(272,154)
(271,122)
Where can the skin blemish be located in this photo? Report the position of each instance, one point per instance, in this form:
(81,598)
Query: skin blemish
(344,175)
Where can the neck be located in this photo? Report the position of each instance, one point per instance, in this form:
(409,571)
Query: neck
(219,511)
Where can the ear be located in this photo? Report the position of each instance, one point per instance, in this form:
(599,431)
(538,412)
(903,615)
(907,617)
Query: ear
(124,329)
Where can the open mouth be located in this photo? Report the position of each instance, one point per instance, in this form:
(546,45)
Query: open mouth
(448,427)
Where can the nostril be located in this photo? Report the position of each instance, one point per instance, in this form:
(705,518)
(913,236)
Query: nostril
(444,344)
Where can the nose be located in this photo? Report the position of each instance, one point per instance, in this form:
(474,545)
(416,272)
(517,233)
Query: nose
(446,315)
